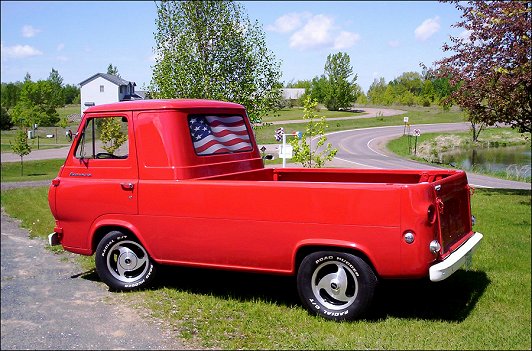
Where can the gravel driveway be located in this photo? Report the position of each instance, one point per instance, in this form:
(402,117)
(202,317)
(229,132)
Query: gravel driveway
(47,304)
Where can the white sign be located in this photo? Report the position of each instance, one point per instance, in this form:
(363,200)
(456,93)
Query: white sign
(417,132)
(286,151)
(405,119)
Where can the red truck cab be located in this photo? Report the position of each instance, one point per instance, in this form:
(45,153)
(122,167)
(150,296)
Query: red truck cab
(182,182)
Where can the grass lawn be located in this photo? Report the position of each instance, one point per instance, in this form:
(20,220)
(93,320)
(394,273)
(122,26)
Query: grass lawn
(33,170)
(487,307)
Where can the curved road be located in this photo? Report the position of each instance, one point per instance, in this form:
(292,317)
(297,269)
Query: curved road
(364,148)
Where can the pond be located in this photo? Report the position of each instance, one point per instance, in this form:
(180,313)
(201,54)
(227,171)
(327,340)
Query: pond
(514,160)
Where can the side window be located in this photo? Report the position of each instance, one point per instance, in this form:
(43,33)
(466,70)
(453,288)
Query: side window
(218,134)
(104,138)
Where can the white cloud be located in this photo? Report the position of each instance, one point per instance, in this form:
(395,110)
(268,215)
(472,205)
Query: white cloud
(60,47)
(19,51)
(288,23)
(29,32)
(428,28)
(314,34)
(345,40)
(313,31)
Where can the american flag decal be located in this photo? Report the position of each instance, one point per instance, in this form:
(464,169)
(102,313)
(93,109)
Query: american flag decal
(218,134)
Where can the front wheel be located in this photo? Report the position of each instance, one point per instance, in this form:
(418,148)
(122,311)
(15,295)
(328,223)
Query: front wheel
(335,285)
(122,262)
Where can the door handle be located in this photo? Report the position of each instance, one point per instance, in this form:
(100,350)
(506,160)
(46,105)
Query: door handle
(127,186)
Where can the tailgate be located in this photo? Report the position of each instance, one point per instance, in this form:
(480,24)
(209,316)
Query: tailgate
(454,211)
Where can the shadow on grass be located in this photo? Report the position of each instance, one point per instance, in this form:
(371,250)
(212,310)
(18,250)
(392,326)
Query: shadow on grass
(450,300)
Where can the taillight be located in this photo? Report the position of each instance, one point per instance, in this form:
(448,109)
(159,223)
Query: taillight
(56,181)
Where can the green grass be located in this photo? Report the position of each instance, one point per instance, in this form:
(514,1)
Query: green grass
(33,170)
(485,308)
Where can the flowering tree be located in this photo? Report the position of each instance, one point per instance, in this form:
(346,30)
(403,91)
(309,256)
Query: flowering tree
(490,65)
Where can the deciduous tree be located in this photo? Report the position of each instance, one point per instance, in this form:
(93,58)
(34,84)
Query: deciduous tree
(212,50)
(21,147)
(340,92)
(311,150)
(490,67)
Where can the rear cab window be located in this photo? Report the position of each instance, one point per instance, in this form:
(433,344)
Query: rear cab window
(218,134)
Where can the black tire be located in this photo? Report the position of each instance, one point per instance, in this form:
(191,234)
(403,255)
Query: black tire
(122,262)
(335,285)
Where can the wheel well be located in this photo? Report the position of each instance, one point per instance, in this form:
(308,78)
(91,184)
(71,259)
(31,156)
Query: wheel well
(307,250)
(102,231)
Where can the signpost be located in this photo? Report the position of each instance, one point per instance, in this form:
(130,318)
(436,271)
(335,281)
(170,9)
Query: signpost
(285,150)
(417,133)
(405,119)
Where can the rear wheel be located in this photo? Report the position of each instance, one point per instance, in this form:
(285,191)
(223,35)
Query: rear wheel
(122,262)
(335,285)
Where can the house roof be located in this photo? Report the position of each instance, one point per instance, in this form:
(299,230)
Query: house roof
(113,79)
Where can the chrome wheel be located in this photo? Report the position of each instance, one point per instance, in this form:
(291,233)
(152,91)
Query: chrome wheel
(123,263)
(127,261)
(334,285)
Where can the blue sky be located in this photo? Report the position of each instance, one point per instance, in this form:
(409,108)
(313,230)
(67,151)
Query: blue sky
(79,39)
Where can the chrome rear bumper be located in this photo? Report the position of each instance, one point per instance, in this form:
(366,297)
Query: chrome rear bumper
(462,256)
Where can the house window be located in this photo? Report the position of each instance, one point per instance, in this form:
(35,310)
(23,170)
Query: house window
(101,88)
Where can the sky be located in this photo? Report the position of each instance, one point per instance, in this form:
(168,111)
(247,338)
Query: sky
(81,38)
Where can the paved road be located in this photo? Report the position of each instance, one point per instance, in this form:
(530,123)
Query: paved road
(48,305)
(364,148)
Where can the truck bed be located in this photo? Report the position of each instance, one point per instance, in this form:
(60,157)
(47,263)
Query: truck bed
(332,175)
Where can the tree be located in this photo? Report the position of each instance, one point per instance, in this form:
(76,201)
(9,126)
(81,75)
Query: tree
(339,93)
(112,70)
(376,91)
(212,50)
(21,147)
(71,94)
(10,93)
(37,104)
(318,88)
(304,152)
(5,119)
(57,83)
(111,134)
(492,66)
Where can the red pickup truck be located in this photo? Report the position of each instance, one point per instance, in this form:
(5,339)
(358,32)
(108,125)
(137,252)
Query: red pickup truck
(182,182)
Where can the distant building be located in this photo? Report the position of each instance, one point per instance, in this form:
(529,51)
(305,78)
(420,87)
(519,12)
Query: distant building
(292,93)
(103,88)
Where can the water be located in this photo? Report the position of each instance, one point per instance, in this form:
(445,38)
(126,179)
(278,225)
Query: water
(514,160)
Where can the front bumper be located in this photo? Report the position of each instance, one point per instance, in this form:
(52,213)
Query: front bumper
(457,259)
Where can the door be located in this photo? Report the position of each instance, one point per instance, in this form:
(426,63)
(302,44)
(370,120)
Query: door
(100,177)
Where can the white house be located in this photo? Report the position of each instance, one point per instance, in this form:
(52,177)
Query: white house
(103,88)
(292,93)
